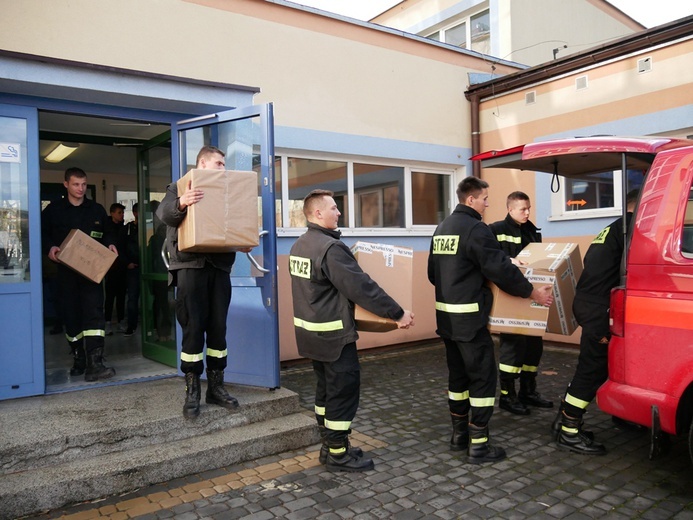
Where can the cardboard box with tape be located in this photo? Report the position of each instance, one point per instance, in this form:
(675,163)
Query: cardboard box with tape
(85,255)
(226,219)
(558,264)
(392,268)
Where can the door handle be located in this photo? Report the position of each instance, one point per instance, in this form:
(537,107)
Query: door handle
(163,252)
(255,263)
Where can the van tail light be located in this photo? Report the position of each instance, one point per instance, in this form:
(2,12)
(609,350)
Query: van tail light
(617,311)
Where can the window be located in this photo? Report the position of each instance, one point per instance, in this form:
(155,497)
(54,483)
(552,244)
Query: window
(687,238)
(371,196)
(430,198)
(472,32)
(592,195)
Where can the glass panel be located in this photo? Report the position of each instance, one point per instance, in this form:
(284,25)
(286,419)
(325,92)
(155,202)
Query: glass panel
(435,36)
(590,192)
(379,193)
(687,237)
(457,35)
(481,32)
(14,203)
(430,198)
(278,190)
(306,175)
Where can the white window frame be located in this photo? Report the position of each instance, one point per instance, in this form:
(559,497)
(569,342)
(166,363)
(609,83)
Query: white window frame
(467,20)
(408,230)
(560,211)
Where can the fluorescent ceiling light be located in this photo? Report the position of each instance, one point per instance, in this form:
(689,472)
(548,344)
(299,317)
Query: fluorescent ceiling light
(60,152)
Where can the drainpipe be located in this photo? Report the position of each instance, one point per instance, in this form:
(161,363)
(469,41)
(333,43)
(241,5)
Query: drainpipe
(476,134)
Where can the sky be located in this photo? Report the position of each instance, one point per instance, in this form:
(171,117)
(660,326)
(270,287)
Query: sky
(641,10)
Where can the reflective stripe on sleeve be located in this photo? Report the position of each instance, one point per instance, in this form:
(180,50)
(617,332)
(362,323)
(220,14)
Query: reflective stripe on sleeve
(457,308)
(318,327)
(509,238)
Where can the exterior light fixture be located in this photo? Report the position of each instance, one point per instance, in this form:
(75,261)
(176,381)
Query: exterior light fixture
(60,152)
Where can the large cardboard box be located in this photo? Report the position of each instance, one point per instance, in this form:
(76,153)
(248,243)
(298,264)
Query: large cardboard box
(558,264)
(392,267)
(226,219)
(85,255)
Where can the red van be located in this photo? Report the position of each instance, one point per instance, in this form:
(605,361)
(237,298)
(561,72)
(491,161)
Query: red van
(651,350)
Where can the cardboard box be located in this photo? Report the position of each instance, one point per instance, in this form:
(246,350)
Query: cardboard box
(85,255)
(226,219)
(392,267)
(558,264)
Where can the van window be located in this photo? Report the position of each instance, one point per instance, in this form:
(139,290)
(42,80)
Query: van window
(687,235)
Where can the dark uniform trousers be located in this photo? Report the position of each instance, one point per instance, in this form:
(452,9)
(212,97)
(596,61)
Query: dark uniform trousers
(81,302)
(592,369)
(337,408)
(472,377)
(202,304)
(518,354)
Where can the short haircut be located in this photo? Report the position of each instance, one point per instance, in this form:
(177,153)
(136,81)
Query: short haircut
(75,172)
(470,186)
(516,195)
(207,151)
(310,200)
(134,207)
(632,196)
(115,206)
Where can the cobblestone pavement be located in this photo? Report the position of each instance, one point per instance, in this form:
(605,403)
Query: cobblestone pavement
(404,423)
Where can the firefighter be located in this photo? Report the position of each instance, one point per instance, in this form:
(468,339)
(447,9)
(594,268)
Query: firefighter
(601,273)
(464,255)
(203,296)
(519,354)
(325,280)
(80,299)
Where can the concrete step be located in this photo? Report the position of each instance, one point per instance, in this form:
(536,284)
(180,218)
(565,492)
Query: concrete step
(66,448)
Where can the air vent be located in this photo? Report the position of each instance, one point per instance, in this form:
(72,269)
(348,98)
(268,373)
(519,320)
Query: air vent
(530,98)
(581,83)
(644,65)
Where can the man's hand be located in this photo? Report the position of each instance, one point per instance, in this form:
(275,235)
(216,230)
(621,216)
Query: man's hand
(406,321)
(190,197)
(517,262)
(543,295)
(52,254)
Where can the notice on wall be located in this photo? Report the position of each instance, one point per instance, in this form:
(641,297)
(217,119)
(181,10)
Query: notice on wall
(9,152)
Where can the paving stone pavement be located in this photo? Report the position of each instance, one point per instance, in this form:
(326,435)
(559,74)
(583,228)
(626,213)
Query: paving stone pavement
(403,422)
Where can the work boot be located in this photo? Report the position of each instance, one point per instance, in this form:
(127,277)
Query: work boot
(528,392)
(339,458)
(572,438)
(460,432)
(508,399)
(79,357)
(556,425)
(324,449)
(191,407)
(95,367)
(216,393)
(480,450)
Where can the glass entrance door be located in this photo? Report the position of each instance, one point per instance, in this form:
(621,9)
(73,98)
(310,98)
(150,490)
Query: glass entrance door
(246,135)
(156,297)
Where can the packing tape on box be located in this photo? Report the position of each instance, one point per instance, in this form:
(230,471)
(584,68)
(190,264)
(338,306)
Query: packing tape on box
(511,323)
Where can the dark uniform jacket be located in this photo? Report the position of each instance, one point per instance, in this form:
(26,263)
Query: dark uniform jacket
(326,281)
(602,265)
(514,237)
(170,215)
(131,244)
(60,217)
(464,254)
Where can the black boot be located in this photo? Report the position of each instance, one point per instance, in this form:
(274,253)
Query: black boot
(324,449)
(79,363)
(95,367)
(216,393)
(572,438)
(479,448)
(339,458)
(556,425)
(460,432)
(528,392)
(508,399)
(191,408)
